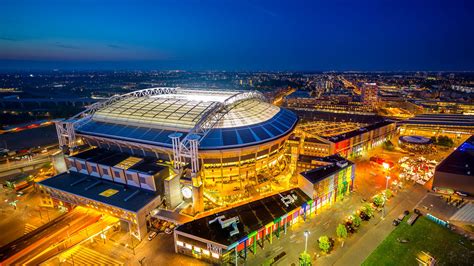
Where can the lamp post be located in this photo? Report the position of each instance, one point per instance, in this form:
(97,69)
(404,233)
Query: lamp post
(306,234)
(385,195)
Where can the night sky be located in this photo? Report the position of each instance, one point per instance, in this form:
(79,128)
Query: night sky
(238,35)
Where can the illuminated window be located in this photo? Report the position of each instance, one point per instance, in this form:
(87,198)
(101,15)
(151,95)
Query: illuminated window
(179,243)
(197,249)
(206,252)
(215,255)
(188,246)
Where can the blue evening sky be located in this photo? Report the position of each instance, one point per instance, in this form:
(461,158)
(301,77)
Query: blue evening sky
(238,35)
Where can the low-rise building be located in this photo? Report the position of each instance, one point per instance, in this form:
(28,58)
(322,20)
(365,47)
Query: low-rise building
(456,172)
(325,179)
(230,236)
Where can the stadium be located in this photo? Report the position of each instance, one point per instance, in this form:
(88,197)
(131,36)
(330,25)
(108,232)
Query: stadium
(217,148)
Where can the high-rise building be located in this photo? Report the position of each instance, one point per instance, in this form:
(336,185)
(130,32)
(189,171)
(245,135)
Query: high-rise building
(370,93)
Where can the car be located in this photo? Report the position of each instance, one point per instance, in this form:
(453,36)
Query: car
(416,211)
(461,194)
(406,212)
(152,235)
(396,222)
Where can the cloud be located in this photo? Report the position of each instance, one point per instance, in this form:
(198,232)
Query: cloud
(8,39)
(115,46)
(66,46)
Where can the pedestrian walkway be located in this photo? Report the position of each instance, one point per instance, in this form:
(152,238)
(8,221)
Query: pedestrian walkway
(29,228)
(80,255)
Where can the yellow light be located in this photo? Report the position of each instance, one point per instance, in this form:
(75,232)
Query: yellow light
(215,255)
(206,252)
(385,165)
(197,249)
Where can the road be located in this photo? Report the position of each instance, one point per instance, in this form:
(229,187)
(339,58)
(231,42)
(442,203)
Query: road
(32,244)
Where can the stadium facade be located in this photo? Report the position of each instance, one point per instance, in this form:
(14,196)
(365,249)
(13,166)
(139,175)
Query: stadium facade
(168,146)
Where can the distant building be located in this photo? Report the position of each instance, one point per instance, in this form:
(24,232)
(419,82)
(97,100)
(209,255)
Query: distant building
(325,179)
(347,144)
(456,172)
(434,124)
(369,93)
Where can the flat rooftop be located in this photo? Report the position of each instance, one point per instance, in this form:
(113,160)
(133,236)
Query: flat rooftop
(122,196)
(252,216)
(146,165)
(441,120)
(460,161)
(331,164)
(359,131)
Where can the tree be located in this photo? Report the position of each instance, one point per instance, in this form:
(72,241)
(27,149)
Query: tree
(341,231)
(368,210)
(378,200)
(445,141)
(324,243)
(305,259)
(356,220)
(388,145)
(388,193)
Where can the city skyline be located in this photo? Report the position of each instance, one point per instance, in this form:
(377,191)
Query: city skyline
(260,36)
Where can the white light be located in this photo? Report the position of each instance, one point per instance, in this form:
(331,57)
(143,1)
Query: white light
(187,192)
(215,255)
(197,249)
(206,252)
(179,243)
(188,246)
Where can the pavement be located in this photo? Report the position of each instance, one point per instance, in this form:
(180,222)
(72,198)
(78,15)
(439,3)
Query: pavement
(14,223)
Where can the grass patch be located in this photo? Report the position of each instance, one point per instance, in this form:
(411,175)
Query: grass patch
(445,246)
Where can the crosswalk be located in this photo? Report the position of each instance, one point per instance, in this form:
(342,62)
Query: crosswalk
(29,228)
(80,255)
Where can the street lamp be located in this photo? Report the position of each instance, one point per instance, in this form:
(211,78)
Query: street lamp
(306,234)
(385,195)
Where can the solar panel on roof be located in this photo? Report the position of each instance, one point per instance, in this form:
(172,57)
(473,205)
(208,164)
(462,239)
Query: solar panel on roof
(260,132)
(246,135)
(229,137)
(272,130)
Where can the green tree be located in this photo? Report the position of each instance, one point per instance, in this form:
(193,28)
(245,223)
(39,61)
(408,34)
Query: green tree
(445,141)
(388,193)
(378,200)
(388,145)
(368,210)
(305,259)
(356,220)
(341,231)
(324,243)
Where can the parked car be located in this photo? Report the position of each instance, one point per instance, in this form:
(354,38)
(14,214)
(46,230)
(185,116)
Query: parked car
(152,235)
(396,222)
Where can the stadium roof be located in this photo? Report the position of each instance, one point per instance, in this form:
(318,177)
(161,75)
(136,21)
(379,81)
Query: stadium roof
(150,119)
